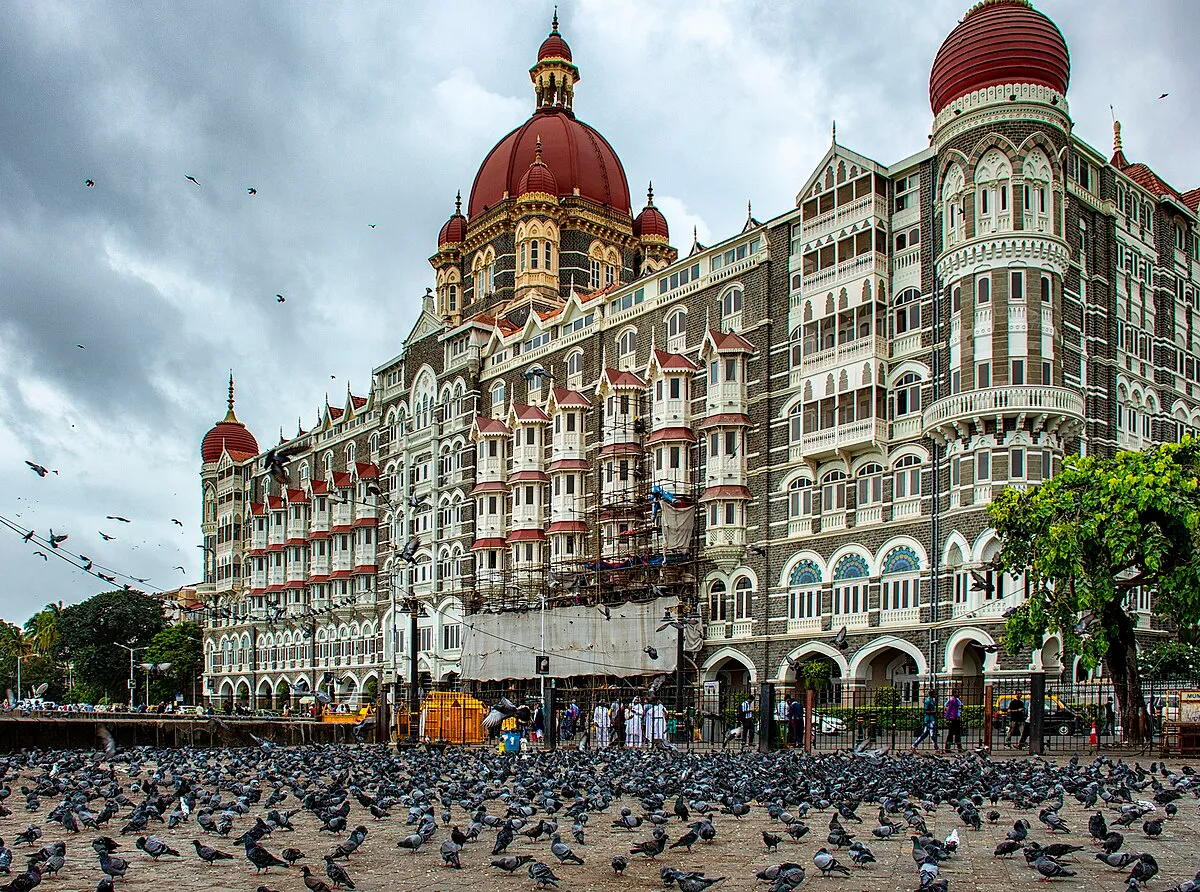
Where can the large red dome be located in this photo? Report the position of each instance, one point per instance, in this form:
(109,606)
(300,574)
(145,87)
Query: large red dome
(232,436)
(578,157)
(999,42)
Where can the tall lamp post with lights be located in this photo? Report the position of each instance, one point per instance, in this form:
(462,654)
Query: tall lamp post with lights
(132,667)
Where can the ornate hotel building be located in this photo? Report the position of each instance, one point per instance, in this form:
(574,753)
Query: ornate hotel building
(819,407)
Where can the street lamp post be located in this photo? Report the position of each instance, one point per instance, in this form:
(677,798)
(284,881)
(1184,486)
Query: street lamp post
(21,658)
(132,679)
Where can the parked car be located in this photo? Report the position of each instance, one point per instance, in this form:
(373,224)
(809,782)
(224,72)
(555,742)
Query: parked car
(1058,718)
(827,724)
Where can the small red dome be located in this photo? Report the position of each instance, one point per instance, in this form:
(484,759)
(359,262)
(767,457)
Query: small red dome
(576,156)
(650,222)
(231,436)
(539,177)
(454,230)
(554,47)
(999,42)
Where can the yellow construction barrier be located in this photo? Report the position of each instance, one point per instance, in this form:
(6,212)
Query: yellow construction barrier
(452,717)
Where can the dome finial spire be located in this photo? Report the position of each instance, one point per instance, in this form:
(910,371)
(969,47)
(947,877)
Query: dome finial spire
(458,202)
(537,151)
(554,22)
(1117,147)
(650,194)
(833,132)
(229,416)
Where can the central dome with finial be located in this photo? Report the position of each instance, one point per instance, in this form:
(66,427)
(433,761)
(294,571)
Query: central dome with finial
(228,435)
(578,159)
(999,42)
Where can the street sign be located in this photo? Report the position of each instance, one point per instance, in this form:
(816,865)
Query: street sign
(131,684)
(542,666)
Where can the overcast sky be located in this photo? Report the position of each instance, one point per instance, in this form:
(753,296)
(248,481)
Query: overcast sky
(345,115)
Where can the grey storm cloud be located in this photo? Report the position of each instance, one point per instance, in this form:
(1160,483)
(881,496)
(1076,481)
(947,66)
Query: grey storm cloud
(376,113)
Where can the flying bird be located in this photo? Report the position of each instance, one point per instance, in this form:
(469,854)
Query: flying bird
(371,225)
(1164,95)
(117,517)
(177,522)
(42,555)
(192,179)
(91,183)
(81,347)
(105,536)
(651,652)
(55,540)
(839,640)
(279,299)
(38,469)
(250,190)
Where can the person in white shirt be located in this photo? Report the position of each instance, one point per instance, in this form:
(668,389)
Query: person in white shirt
(747,710)
(601,722)
(633,724)
(656,721)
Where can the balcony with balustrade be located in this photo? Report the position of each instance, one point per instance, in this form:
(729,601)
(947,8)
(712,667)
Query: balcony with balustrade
(853,435)
(848,352)
(1053,409)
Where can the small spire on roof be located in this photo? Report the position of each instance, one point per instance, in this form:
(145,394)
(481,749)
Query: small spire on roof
(229,415)
(650,195)
(282,438)
(299,427)
(833,132)
(458,203)
(1117,147)
(537,151)
(554,22)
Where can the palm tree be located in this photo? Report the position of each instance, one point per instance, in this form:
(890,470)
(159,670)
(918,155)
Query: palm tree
(43,628)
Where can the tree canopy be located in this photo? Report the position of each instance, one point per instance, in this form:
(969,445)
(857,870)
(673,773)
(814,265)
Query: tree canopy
(91,630)
(1088,536)
(181,647)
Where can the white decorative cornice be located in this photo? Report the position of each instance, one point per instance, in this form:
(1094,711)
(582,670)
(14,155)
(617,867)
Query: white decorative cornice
(1005,249)
(991,105)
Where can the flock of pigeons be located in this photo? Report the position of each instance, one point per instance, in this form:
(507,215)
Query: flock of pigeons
(106,817)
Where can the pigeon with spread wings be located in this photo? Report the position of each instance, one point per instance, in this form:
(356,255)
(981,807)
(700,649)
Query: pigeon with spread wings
(506,709)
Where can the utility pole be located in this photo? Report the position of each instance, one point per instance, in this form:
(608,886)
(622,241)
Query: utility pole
(132,677)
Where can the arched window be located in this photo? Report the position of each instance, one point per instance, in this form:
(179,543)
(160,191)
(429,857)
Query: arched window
(870,484)
(796,424)
(731,302)
(907,481)
(743,598)
(907,313)
(993,180)
(983,289)
(626,343)
(498,394)
(1038,194)
(804,591)
(901,586)
(797,347)
(800,498)
(907,391)
(952,198)
(677,324)
(850,585)
(833,492)
(575,364)
(718,608)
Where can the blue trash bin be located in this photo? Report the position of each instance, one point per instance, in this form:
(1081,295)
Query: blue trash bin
(512,741)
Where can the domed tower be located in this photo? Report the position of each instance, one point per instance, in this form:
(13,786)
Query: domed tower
(537,232)
(223,451)
(554,179)
(654,238)
(1001,124)
(447,262)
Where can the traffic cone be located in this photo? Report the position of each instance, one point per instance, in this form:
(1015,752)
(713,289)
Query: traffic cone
(1093,737)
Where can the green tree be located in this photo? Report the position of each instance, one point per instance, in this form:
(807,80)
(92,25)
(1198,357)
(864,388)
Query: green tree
(42,627)
(181,647)
(1089,535)
(91,630)
(1171,659)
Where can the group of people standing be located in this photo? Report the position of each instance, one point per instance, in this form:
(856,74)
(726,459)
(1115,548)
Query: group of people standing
(640,722)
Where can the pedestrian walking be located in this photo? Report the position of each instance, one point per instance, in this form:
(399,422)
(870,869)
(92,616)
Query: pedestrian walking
(783,711)
(601,724)
(747,710)
(954,721)
(633,723)
(929,725)
(656,721)
(796,722)
(617,715)
(1017,725)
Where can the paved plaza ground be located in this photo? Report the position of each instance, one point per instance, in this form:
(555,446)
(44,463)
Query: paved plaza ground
(736,853)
